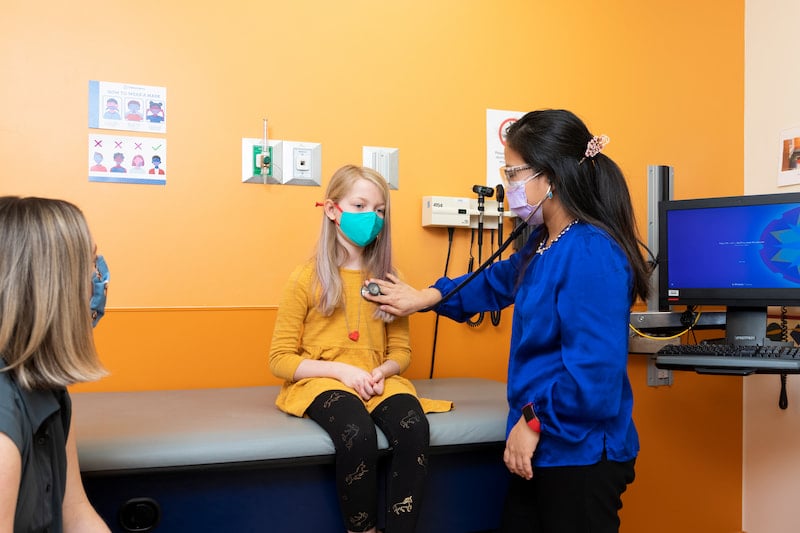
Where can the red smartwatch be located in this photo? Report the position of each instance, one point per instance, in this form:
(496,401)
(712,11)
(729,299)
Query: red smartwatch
(531,419)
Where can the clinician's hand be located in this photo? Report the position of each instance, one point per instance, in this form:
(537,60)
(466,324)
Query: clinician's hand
(520,445)
(399,298)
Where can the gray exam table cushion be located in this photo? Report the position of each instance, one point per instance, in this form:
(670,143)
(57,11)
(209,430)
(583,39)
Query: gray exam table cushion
(177,428)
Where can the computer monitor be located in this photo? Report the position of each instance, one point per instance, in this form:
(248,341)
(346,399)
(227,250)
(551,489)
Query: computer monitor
(741,252)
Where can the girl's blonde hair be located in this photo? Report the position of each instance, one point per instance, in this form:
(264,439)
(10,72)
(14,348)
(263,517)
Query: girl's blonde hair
(330,254)
(46,267)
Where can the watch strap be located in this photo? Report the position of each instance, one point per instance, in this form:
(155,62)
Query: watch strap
(531,419)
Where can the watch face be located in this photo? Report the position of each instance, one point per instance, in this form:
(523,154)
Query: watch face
(527,412)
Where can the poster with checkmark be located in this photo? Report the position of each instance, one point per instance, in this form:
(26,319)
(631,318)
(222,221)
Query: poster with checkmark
(126,159)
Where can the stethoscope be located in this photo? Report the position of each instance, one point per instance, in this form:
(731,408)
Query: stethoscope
(373,289)
(511,238)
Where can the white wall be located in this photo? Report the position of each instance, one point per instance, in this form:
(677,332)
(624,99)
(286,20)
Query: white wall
(771,463)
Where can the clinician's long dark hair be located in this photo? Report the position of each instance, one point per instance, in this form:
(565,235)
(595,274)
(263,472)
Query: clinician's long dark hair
(591,189)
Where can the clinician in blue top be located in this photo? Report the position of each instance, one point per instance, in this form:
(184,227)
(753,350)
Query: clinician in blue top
(571,438)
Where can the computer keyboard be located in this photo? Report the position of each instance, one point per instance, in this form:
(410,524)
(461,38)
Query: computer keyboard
(709,358)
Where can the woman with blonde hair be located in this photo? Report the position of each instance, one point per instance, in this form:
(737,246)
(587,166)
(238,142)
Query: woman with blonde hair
(341,357)
(52,287)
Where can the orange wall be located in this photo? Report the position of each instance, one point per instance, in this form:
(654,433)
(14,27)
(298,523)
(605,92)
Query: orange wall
(197,266)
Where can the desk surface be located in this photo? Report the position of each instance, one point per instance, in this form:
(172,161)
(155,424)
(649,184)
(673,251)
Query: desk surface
(172,428)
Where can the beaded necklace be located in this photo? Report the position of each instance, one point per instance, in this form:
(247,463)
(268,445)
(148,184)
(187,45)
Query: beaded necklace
(352,335)
(543,247)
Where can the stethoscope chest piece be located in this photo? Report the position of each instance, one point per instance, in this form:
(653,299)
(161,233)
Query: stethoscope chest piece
(372,289)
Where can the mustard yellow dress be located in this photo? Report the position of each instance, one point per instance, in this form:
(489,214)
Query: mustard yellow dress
(302,333)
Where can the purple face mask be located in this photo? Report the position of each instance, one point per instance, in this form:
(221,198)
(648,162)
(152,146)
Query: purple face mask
(518,203)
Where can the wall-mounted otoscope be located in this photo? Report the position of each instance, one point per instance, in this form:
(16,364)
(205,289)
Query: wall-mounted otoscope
(483,192)
(500,195)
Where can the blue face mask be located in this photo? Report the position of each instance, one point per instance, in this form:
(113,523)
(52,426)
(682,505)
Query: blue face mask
(360,228)
(99,290)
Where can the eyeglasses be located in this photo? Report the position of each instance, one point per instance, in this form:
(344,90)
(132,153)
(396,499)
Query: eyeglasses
(510,172)
(507,174)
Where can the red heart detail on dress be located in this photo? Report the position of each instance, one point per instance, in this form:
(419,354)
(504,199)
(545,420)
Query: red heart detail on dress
(353,336)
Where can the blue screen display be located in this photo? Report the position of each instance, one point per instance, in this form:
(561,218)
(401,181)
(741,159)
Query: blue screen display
(734,247)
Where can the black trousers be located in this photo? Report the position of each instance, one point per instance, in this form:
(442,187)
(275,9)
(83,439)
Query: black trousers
(568,499)
(352,429)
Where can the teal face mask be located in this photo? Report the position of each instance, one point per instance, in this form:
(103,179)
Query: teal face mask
(360,228)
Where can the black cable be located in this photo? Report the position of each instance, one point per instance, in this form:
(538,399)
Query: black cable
(478,321)
(483,193)
(450,232)
(694,336)
(471,244)
(514,234)
(499,194)
(495,315)
(653,259)
(783,398)
(688,317)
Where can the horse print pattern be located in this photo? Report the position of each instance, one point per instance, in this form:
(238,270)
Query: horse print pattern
(353,431)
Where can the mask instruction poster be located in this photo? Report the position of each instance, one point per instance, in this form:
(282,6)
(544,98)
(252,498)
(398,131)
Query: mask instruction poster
(124,106)
(124,159)
(497,123)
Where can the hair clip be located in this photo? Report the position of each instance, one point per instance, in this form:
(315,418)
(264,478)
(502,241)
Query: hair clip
(319,204)
(595,146)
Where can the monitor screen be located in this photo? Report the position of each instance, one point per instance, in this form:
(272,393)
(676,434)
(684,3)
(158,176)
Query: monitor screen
(742,252)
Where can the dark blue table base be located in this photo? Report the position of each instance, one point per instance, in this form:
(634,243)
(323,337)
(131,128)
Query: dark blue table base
(465,493)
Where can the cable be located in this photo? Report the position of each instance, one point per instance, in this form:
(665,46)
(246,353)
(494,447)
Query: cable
(514,234)
(500,195)
(783,397)
(653,259)
(478,321)
(495,315)
(450,232)
(471,244)
(483,193)
(656,338)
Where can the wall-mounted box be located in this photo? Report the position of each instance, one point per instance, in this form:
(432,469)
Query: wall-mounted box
(457,212)
(445,211)
(302,163)
(384,160)
(252,154)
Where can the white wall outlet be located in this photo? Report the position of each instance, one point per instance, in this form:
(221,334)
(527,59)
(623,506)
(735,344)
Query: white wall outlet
(303,163)
(385,160)
(253,153)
